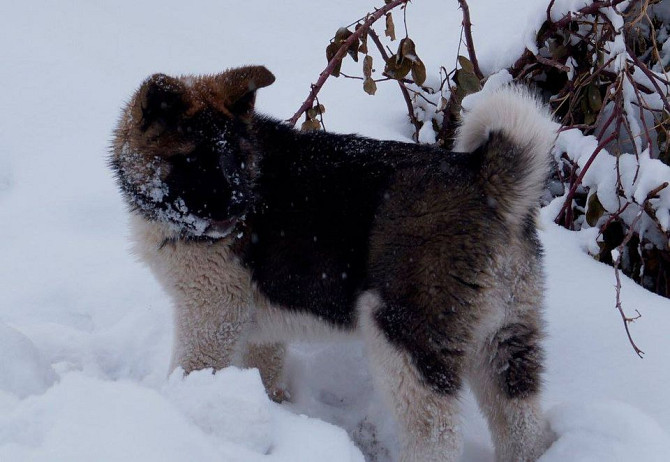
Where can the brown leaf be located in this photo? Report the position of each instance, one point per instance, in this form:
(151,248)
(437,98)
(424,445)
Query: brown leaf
(594,97)
(557,49)
(310,125)
(342,34)
(367,66)
(418,72)
(466,64)
(353,50)
(390,27)
(467,81)
(370,86)
(594,210)
(407,49)
(331,51)
(589,115)
(397,68)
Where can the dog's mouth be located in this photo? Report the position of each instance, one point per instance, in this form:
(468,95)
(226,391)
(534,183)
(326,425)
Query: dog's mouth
(218,229)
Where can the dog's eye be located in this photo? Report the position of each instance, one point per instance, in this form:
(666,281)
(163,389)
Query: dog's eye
(184,128)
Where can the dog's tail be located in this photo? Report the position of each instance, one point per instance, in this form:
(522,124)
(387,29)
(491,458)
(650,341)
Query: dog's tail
(513,133)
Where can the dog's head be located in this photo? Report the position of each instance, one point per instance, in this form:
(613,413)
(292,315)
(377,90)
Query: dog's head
(182,151)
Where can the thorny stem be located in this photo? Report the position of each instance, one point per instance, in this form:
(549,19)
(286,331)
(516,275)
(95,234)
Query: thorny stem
(315,88)
(467,27)
(551,5)
(578,181)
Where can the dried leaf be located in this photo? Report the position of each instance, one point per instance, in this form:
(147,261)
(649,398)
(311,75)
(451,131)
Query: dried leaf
(466,64)
(336,69)
(467,81)
(557,49)
(310,125)
(594,97)
(397,68)
(342,34)
(390,27)
(594,210)
(589,115)
(367,66)
(331,51)
(312,113)
(321,108)
(419,72)
(407,49)
(590,118)
(370,86)
(353,50)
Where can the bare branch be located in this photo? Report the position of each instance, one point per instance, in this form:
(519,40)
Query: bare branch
(651,76)
(365,27)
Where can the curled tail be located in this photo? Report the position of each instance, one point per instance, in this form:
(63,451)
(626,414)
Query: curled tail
(513,133)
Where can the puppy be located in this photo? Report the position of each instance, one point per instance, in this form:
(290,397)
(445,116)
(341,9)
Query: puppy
(262,234)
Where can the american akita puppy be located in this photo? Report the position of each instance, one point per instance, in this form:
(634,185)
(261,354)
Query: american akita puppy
(262,234)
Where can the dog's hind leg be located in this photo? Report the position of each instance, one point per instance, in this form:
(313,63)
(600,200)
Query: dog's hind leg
(505,377)
(428,420)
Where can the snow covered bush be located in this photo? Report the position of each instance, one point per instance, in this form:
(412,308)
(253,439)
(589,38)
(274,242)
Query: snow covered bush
(602,70)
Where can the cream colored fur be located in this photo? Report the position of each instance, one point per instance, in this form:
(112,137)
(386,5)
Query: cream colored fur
(210,290)
(220,318)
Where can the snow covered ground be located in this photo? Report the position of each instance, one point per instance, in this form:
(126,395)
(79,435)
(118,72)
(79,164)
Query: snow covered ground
(85,331)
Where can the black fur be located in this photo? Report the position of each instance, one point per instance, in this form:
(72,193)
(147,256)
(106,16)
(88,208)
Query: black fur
(323,200)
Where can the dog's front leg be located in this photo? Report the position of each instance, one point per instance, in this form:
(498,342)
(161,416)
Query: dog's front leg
(211,294)
(269,359)
(211,320)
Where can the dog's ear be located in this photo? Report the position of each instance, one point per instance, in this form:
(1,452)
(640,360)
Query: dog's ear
(160,102)
(239,87)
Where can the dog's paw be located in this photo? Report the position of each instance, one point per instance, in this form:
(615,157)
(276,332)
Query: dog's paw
(279,394)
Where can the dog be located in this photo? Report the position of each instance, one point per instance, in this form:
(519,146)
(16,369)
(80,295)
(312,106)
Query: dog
(262,234)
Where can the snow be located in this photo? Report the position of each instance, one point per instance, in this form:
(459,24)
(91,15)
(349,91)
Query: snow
(605,431)
(85,332)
